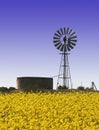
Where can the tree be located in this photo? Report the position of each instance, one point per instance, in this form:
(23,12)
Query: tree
(3,89)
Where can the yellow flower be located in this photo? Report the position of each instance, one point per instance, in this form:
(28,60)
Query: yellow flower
(49,111)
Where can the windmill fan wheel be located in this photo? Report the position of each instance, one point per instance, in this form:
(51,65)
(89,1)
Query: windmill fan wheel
(65,39)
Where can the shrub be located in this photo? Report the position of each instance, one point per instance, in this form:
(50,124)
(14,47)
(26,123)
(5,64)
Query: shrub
(80,88)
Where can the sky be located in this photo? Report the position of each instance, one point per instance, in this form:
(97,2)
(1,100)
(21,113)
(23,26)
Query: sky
(27,28)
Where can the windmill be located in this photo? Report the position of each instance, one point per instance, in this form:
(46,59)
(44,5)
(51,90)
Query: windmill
(64,40)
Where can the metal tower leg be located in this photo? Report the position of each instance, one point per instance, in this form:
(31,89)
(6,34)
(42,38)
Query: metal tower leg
(64,77)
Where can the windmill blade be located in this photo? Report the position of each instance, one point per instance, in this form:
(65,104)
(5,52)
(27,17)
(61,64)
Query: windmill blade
(72,43)
(73,40)
(67,30)
(70,31)
(73,37)
(62,31)
(62,47)
(56,44)
(57,35)
(56,38)
(72,34)
(69,40)
(70,46)
(56,41)
(59,46)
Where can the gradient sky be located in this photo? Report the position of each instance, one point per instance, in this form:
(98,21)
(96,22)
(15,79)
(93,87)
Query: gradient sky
(26,39)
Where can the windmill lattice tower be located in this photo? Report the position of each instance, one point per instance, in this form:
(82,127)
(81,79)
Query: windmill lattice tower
(64,40)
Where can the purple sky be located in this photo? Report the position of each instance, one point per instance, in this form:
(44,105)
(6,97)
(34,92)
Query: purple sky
(26,39)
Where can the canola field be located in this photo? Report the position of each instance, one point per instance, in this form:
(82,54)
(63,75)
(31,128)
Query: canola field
(49,111)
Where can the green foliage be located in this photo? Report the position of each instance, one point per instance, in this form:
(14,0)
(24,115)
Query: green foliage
(6,90)
(12,89)
(62,87)
(80,88)
(3,89)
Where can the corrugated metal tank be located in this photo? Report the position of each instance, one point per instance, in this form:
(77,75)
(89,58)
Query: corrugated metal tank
(34,83)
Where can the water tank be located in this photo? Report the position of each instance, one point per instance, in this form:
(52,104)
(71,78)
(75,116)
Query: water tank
(34,83)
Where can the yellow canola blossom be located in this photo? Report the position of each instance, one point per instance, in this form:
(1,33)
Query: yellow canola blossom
(49,111)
